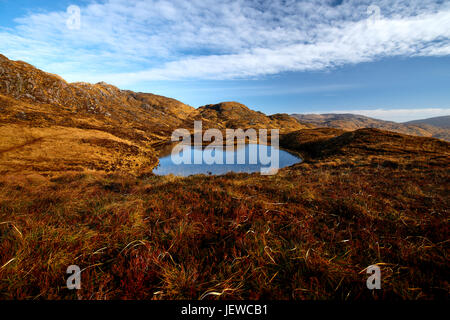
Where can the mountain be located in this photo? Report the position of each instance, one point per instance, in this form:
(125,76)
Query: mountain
(368,146)
(49,125)
(236,115)
(351,122)
(306,233)
(359,198)
(440,122)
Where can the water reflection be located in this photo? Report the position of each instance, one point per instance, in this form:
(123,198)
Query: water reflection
(168,166)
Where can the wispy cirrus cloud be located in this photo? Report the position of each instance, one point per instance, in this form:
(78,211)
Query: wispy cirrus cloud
(125,42)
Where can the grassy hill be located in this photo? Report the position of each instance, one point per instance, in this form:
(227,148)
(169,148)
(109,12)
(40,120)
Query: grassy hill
(309,232)
(50,125)
(350,122)
(76,188)
(236,115)
(440,122)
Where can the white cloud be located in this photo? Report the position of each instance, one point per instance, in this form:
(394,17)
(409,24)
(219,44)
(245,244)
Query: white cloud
(397,115)
(126,42)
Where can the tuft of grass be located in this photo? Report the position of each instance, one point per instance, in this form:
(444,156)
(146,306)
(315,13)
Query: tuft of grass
(307,233)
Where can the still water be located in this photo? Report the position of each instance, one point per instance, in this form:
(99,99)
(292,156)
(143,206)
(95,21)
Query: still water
(249,152)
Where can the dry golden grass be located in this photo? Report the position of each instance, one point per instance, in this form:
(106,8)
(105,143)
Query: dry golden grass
(307,233)
(303,234)
(237,115)
(360,198)
(351,122)
(53,149)
(49,125)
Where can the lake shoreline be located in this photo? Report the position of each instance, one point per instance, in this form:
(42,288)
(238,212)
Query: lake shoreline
(228,163)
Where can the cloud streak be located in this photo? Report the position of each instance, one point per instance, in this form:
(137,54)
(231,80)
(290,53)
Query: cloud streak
(126,42)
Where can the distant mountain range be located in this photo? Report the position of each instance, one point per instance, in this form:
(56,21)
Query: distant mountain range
(440,122)
(48,124)
(434,127)
(76,163)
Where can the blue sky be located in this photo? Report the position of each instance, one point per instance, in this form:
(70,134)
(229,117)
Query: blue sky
(388,59)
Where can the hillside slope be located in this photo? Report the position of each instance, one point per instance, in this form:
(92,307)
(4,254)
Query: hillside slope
(237,115)
(440,126)
(50,125)
(350,122)
(372,147)
(440,122)
(360,198)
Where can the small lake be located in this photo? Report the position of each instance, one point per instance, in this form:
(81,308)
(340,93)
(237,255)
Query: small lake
(250,152)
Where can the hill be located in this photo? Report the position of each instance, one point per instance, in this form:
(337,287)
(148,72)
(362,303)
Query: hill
(76,188)
(236,115)
(360,198)
(439,125)
(49,125)
(368,146)
(440,122)
(352,122)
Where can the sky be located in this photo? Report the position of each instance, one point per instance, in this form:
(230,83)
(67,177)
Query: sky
(387,59)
